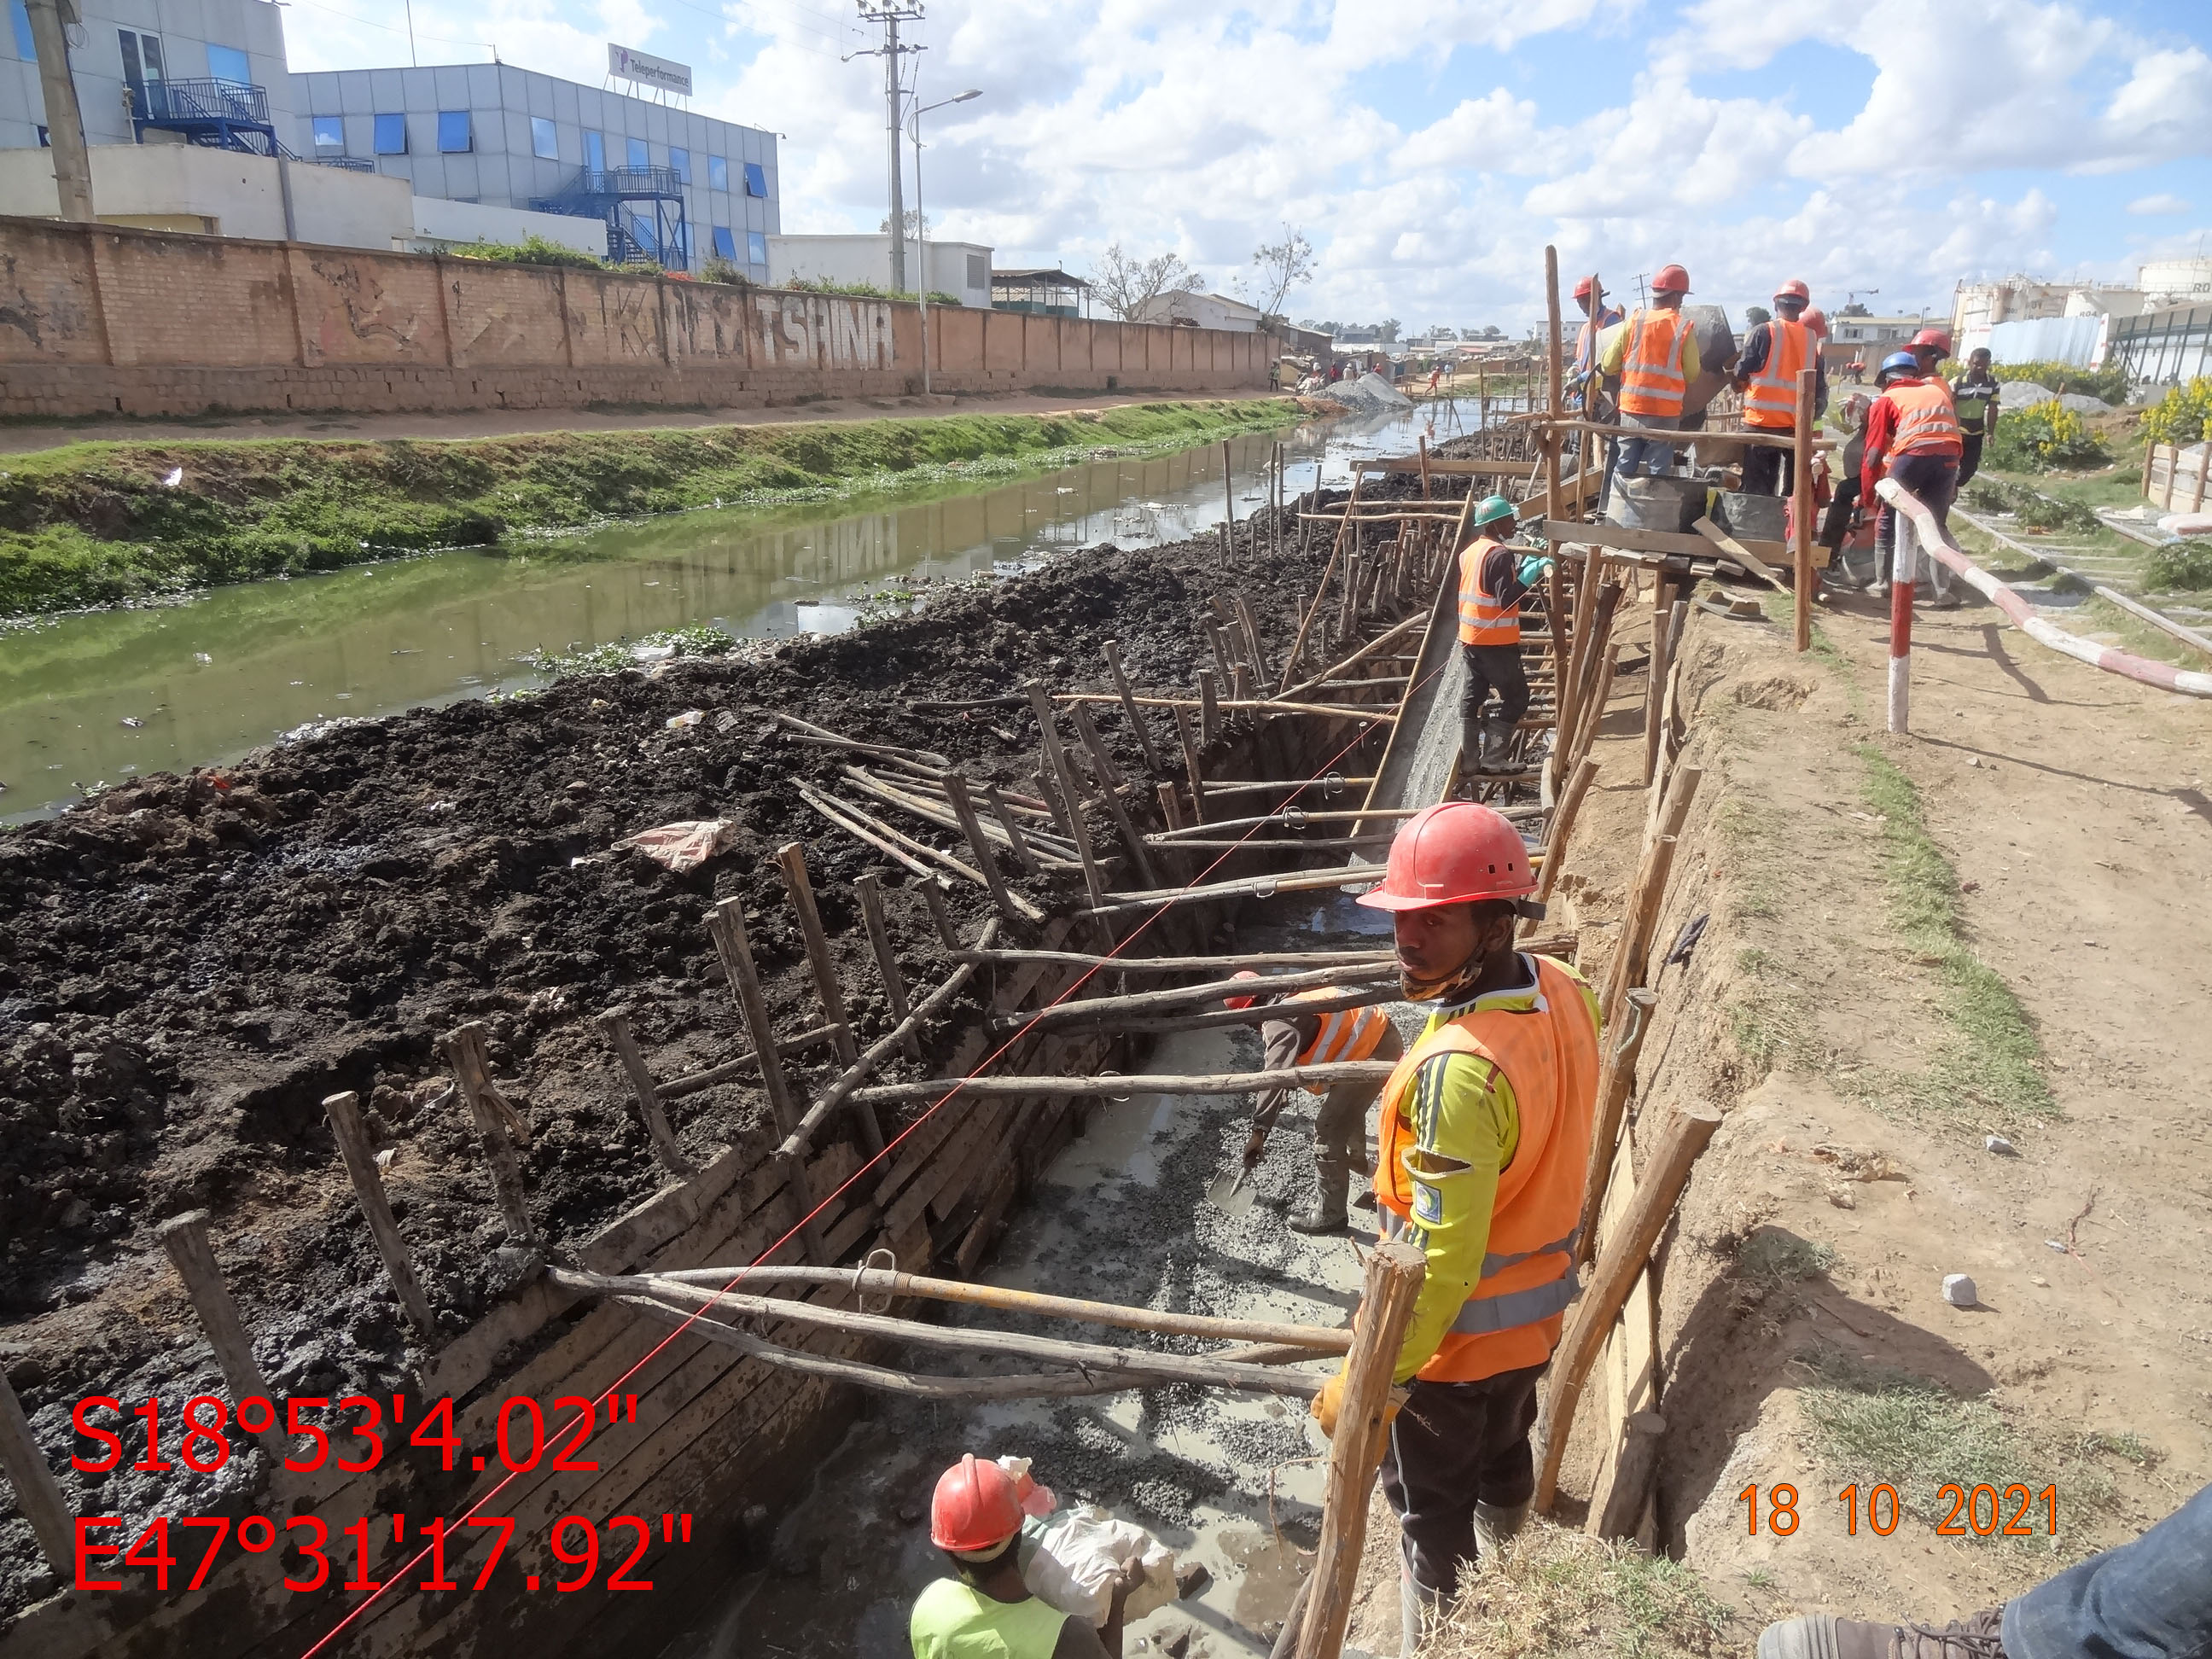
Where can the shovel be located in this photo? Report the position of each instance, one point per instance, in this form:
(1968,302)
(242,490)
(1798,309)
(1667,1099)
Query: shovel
(1234,1191)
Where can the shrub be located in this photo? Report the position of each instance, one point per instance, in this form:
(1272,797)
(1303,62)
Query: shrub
(531,250)
(2037,511)
(2045,437)
(2186,567)
(719,270)
(2184,415)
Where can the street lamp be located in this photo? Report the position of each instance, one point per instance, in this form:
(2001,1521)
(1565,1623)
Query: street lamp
(920,255)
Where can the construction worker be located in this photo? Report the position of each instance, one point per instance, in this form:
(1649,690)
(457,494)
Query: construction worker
(1657,357)
(1913,437)
(1493,577)
(985,1611)
(1484,1139)
(1340,1125)
(1974,395)
(1774,354)
(1597,317)
(1930,348)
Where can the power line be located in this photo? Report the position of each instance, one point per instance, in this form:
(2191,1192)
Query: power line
(890,14)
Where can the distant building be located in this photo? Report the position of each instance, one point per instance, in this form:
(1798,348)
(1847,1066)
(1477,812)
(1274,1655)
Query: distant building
(960,269)
(2072,319)
(1041,291)
(1202,311)
(2168,283)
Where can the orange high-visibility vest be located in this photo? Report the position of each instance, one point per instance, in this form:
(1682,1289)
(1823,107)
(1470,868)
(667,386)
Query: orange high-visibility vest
(1927,421)
(1513,1317)
(1652,381)
(1771,400)
(1345,1034)
(1482,619)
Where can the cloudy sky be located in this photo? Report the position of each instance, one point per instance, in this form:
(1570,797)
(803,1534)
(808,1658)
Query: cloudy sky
(1430,148)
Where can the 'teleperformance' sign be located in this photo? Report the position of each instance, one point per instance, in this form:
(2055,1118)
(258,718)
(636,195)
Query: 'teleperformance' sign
(643,67)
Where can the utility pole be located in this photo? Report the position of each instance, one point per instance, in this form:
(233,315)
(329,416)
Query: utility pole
(64,121)
(890,14)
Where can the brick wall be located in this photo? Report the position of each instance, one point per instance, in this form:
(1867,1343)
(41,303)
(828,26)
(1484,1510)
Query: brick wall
(97,319)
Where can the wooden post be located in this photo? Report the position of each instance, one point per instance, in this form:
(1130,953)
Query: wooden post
(963,808)
(792,856)
(38,1496)
(726,925)
(1016,842)
(1240,683)
(1564,690)
(1049,794)
(1563,826)
(1225,659)
(1801,537)
(1227,501)
(1646,898)
(1137,726)
(933,894)
(1190,761)
(1250,627)
(344,1114)
(1171,806)
(1600,697)
(1678,1145)
(879,941)
(615,1022)
(1616,1082)
(499,1126)
(185,1238)
(1209,706)
(1089,732)
(1063,774)
(1395,1271)
(1662,659)
(1355,572)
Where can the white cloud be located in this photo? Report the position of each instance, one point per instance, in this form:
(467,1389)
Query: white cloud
(2157,206)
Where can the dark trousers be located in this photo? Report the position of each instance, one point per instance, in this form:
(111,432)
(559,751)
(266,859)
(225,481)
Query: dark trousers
(1454,1445)
(1768,472)
(2150,1599)
(1836,527)
(1970,462)
(1494,668)
(1934,480)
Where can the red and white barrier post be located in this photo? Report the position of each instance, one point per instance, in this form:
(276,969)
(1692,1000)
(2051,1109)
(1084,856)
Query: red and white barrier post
(1902,571)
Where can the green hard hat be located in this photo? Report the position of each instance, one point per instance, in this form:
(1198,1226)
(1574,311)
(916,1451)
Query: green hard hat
(1497,507)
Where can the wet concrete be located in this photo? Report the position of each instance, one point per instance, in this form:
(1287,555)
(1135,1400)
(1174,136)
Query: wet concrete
(1231,1482)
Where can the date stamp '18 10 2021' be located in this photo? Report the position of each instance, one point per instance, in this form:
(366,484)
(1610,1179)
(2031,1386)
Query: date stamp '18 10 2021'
(1984,1511)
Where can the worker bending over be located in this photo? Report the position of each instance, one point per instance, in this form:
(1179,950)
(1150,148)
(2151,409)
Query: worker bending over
(1913,437)
(1493,577)
(1483,1140)
(1774,354)
(1340,1126)
(1657,357)
(985,1611)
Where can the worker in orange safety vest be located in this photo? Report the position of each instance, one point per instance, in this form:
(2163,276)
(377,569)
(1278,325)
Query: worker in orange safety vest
(1483,1140)
(1655,356)
(1493,577)
(1911,435)
(1303,1038)
(1774,354)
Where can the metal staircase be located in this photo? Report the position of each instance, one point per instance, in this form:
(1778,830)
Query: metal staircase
(642,209)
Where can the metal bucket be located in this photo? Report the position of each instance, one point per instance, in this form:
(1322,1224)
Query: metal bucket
(1661,503)
(1752,518)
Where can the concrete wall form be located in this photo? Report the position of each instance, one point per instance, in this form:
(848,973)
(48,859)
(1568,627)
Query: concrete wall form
(101,320)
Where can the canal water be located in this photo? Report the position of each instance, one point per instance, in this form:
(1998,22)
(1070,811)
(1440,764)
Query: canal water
(90,700)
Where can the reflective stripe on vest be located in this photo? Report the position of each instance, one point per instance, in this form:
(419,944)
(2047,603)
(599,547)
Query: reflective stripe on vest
(1550,1058)
(1345,1034)
(1652,380)
(1926,420)
(1770,399)
(1482,620)
(955,1620)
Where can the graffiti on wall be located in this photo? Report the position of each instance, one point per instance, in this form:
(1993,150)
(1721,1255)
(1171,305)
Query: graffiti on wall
(821,331)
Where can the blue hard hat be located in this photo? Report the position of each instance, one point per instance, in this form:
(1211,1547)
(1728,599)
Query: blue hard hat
(1898,362)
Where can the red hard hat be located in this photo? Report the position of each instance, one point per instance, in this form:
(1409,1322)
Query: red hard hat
(1793,289)
(1582,288)
(974,1507)
(1940,338)
(1455,853)
(1816,320)
(1671,279)
(1240,1002)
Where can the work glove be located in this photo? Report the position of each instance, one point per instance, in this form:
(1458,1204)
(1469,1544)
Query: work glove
(1325,1405)
(1533,568)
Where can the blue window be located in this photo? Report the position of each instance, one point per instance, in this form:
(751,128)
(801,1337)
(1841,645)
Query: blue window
(681,160)
(595,151)
(544,140)
(755,180)
(25,47)
(725,244)
(391,135)
(639,156)
(229,63)
(755,247)
(330,132)
(718,167)
(454,137)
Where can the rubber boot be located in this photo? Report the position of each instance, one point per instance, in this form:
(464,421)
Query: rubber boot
(1326,1214)
(1497,734)
(1823,1636)
(1363,1188)
(1470,746)
(1416,1607)
(1493,1525)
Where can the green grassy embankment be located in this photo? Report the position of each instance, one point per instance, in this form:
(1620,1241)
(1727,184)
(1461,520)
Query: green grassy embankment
(100,523)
